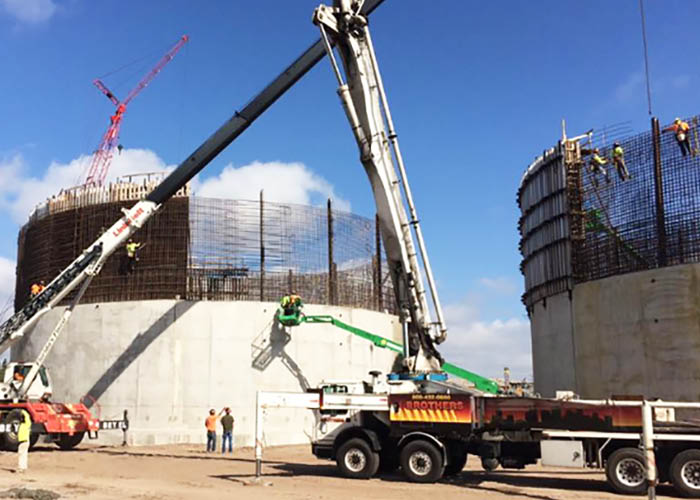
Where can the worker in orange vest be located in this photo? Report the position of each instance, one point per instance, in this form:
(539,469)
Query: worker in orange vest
(37,288)
(682,130)
(210,424)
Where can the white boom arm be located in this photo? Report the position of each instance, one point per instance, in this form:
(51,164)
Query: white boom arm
(367,110)
(88,264)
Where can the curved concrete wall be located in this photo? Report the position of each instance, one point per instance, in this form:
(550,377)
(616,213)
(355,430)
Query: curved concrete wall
(167,362)
(636,333)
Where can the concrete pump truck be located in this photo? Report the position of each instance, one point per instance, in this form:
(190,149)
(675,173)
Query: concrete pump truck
(421,422)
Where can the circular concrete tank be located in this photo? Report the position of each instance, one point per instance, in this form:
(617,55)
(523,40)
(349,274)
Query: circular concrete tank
(192,328)
(612,273)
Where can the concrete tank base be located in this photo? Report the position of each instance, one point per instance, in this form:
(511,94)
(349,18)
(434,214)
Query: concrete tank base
(168,362)
(636,333)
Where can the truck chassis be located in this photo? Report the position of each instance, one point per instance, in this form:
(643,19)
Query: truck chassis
(429,435)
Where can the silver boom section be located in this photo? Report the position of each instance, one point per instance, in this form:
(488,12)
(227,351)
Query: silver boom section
(367,110)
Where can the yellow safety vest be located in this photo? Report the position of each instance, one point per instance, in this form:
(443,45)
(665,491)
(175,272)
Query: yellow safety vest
(25,427)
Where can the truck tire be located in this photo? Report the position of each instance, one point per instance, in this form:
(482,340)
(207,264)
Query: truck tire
(9,439)
(489,464)
(457,460)
(356,459)
(685,473)
(68,442)
(422,462)
(625,471)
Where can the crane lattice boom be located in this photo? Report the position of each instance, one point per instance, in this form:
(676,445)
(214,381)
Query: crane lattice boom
(103,155)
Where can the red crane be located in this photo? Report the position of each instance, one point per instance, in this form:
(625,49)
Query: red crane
(103,155)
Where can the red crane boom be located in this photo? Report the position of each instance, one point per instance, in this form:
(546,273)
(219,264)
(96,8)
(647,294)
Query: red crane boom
(103,155)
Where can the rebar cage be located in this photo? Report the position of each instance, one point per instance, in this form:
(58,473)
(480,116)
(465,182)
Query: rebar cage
(198,248)
(582,223)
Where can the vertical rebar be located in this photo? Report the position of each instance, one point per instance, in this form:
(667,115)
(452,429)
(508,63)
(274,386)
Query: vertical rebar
(331,277)
(659,192)
(262,249)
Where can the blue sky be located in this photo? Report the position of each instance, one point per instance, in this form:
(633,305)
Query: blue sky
(477,90)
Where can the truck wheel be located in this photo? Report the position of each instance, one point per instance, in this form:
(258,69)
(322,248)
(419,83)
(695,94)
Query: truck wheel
(356,459)
(489,464)
(68,442)
(422,462)
(9,439)
(626,472)
(685,473)
(458,459)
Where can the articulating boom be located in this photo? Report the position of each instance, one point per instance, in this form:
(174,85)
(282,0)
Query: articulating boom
(366,107)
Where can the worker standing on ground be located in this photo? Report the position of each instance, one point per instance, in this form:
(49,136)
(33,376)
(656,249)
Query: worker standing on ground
(23,432)
(682,130)
(210,424)
(619,162)
(227,424)
(132,255)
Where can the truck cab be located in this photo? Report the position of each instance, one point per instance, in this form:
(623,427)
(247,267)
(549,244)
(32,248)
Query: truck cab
(12,375)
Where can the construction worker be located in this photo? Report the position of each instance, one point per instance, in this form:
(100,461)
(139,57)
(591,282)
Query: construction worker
(682,131)
(25,427)
(286,305)
(597,165)
(210,424)
(37,288)
(227,425)
(295,301)
(132,255)
(619,162)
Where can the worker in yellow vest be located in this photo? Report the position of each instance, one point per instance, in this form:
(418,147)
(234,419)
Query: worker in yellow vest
(132,255)
(25,427)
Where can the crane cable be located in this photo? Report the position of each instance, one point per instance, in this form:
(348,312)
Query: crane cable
(646,53)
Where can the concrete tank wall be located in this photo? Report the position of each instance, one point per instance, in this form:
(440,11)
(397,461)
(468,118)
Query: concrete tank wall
(639,333)
(167,362)
(551,330)
(636,333)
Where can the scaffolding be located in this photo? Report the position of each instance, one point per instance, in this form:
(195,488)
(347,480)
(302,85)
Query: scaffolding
(210,249)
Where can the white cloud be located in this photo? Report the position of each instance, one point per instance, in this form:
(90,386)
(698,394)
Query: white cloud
(20,196)
(29,11)
(281,182)
(486,347)
(501,285)
(7,287)
(630,89)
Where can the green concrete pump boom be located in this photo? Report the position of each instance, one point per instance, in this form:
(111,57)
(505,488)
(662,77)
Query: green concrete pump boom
(481,383)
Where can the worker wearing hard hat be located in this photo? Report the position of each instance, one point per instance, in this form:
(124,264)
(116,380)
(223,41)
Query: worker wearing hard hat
(597,165)
(682,130)
(619,162)
(37,288)
(132,255)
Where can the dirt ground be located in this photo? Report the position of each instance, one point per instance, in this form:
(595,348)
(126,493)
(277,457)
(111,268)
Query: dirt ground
(289,472)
